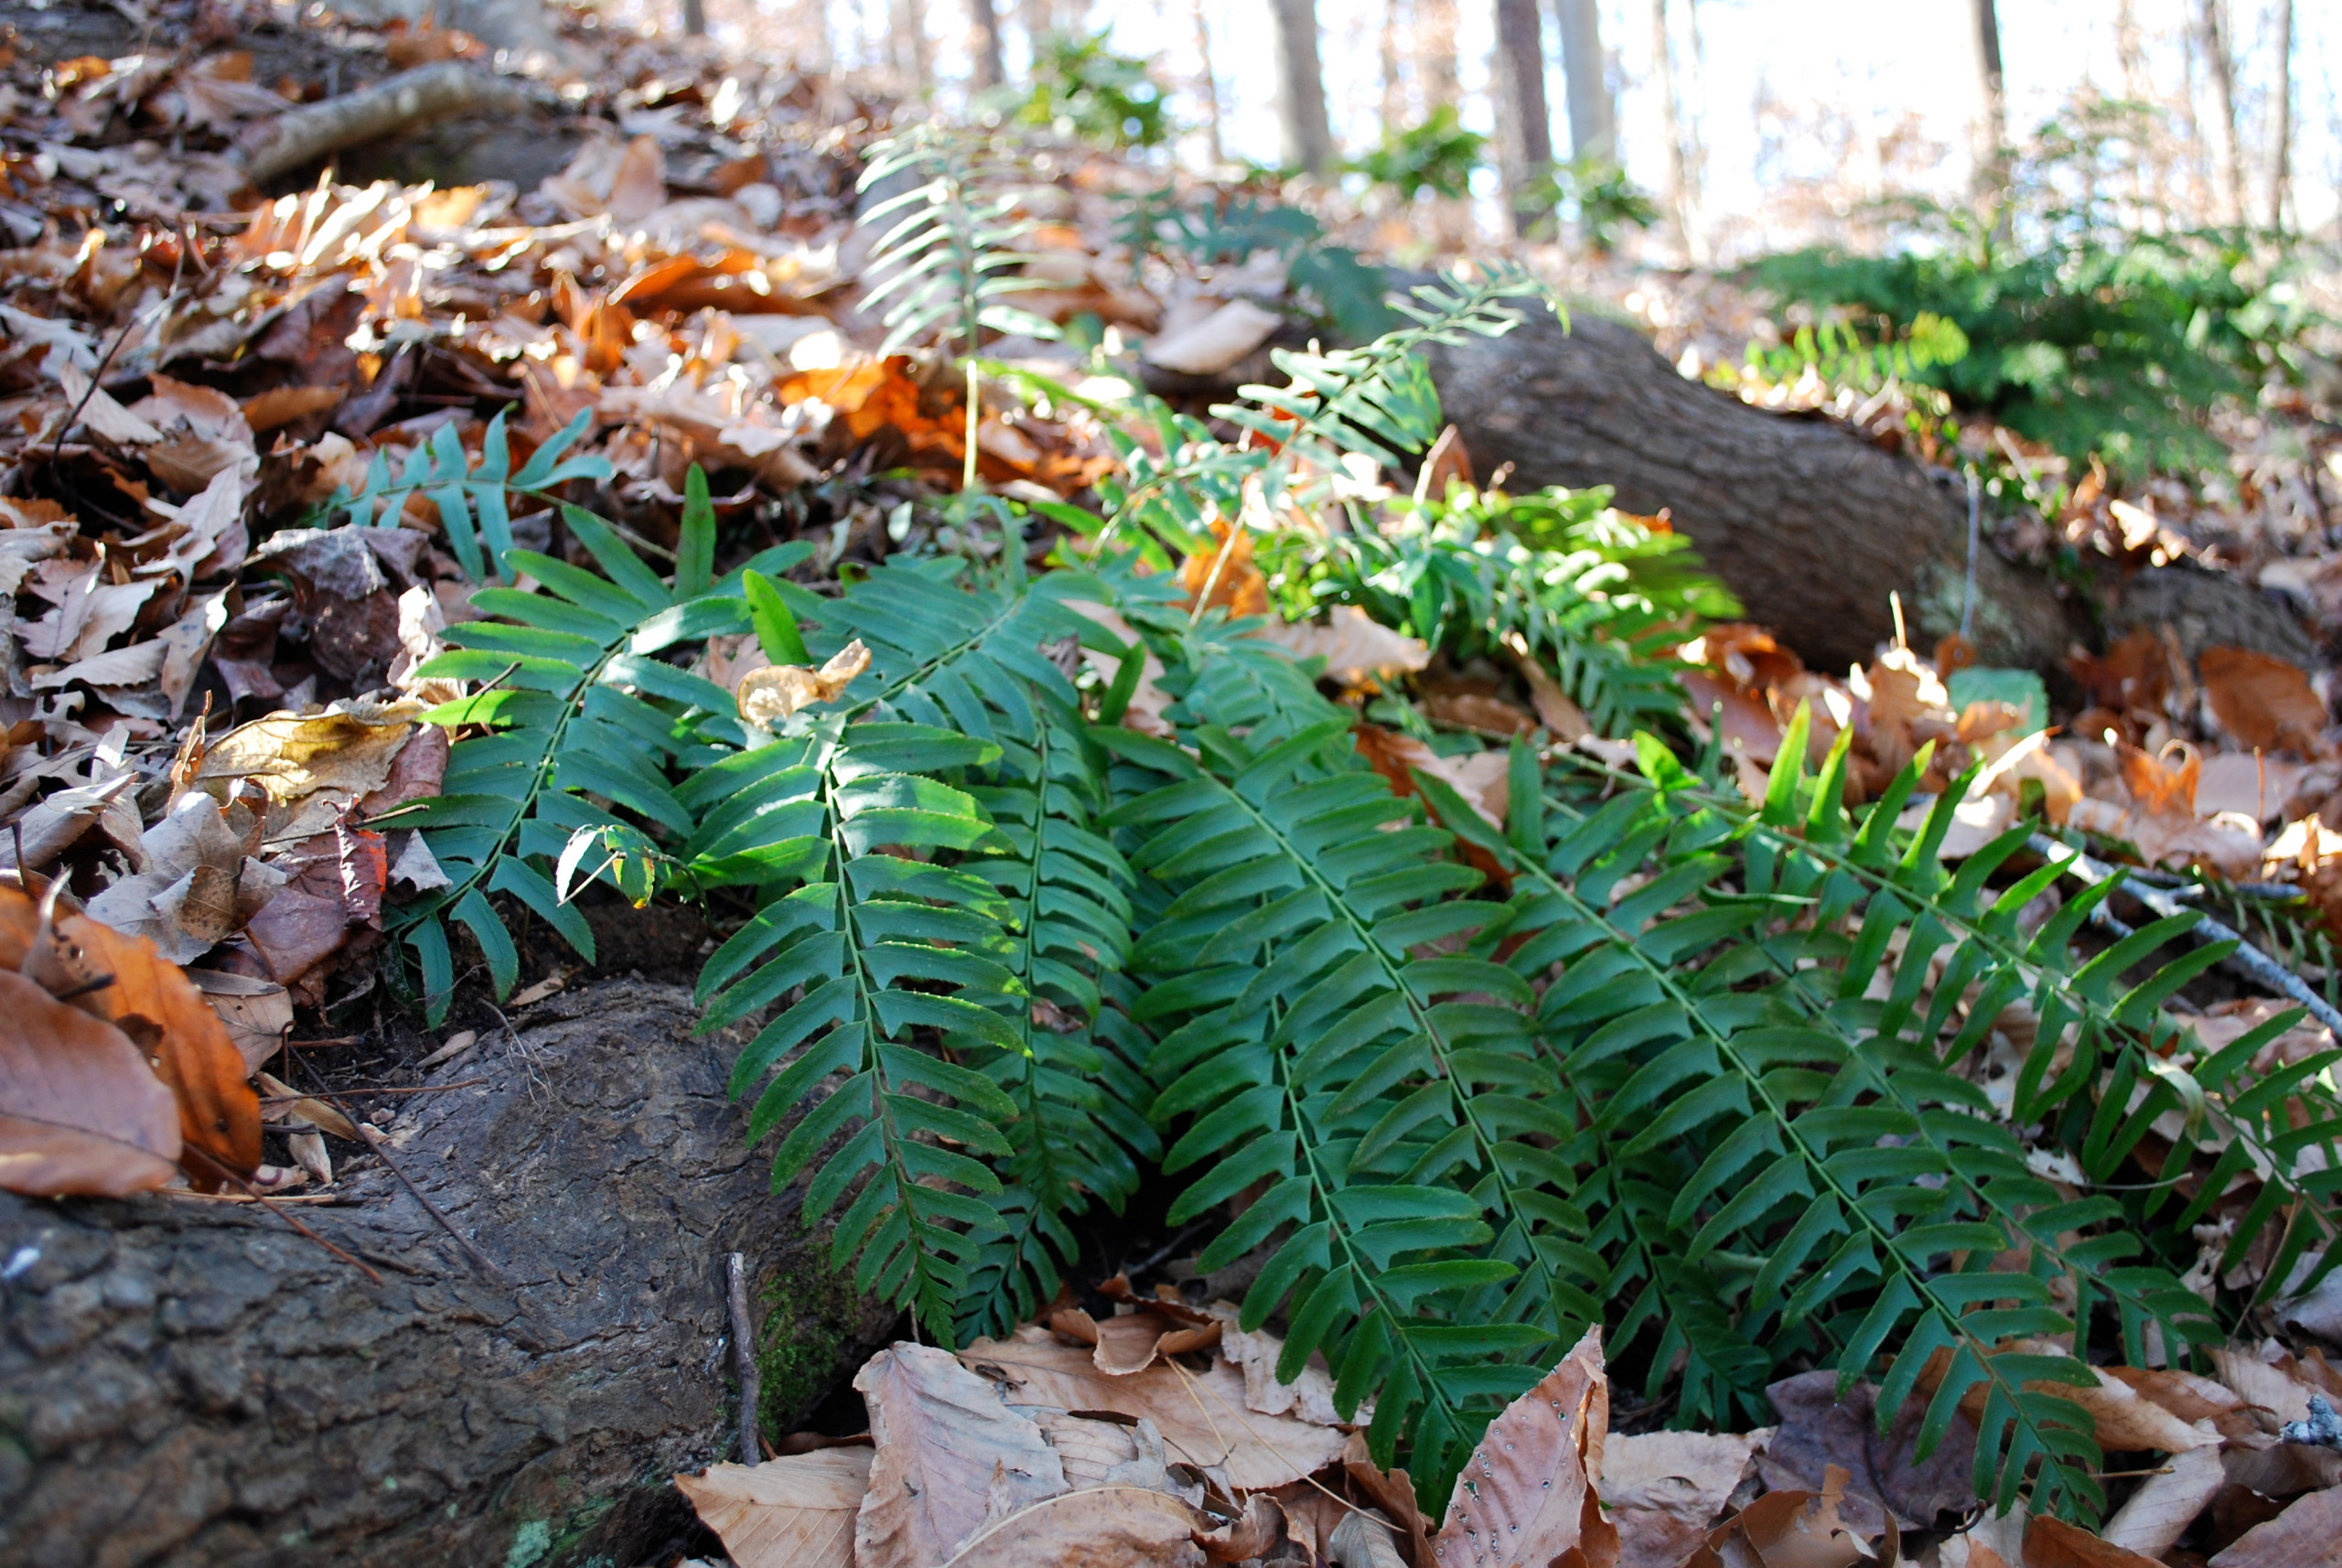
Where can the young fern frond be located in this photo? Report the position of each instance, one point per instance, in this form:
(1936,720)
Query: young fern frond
(475,511)
(580,717)
(1377,400)
(944,256)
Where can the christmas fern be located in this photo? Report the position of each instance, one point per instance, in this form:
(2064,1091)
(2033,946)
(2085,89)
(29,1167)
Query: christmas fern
(1712,1076)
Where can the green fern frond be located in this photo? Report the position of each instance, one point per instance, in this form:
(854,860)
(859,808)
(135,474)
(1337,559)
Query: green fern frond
(1784,1084)
(945,257)
(959,743)
(474,501)
(579,718)
(1317,1037)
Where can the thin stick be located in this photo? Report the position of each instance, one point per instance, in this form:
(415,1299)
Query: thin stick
(2246,960)
(426,1088)
(743,1358)
(380,1146)
(264,1201)
(968,468)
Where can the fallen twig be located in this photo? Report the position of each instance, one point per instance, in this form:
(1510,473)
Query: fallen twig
(2246,960)
(744,1357)
(380,1146)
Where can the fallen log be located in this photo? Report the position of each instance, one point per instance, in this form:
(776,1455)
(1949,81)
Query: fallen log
(298,136)
(1812,526)
(193,1382)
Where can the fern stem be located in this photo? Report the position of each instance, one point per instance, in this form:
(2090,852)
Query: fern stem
(968,466)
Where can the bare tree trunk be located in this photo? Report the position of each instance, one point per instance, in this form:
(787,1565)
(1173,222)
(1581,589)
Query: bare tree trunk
(1040,25)
(695,19)
(1394,82)
(1306,138)
(1988,133)
(2211,42)
(2280,138)
(1682,197)
(1810,525)
(913,51)
(984,42)
(1435,30)
(1594,126)
(1209,85)
(1524,125)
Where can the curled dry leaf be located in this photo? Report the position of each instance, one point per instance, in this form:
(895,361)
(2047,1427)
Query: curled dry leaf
(1202,1415)
(770,694)
(1362,1541)
(947,1450)
(1211,344)
(1884,1474)
(80,1110)
(1258,1533)
(1798,1530)
(1131,1342)
(1101,1527)
(258,1013)
(796,1511)
(1528,1494)
(1664,1489)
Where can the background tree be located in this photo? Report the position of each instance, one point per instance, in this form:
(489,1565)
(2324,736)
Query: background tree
(1594,132)
(983,43)
(1306,138)
(2280,138)
(1989,129)
(1525,126)
(2210,46)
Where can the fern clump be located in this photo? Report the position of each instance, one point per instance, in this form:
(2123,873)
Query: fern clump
(1451,1092)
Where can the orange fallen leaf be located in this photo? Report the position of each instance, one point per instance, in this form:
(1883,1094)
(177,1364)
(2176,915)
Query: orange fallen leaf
(81,1111)
(2053,1543)
(1237,587)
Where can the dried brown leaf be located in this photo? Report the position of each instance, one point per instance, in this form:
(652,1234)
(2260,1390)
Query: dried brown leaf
(1356,647)
(1101,1527)
(81,1111)
(2263,701)
(1203,1416)
(797,1512)
(1798,1530)
(2053,1543)
(1257,1533)
(2156,1516)
(1664,1489)
(2308,1533)
(950,1454)
(1528,1492)
(770,694)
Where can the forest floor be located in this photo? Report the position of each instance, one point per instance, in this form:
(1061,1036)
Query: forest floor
(211,692)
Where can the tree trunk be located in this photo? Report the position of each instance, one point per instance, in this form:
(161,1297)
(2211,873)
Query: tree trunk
(983,43)
(1524,127)
(1207,83)
(1435,56)
(695,19)
(1394,82)
(1989,133)
(192,1382)
(1305,139)
(2212,41)
(1682,200)
(1809,524)
(914,60)
(1594,132)
(2280,136)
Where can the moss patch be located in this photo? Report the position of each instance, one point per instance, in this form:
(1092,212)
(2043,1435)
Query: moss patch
(805,1317)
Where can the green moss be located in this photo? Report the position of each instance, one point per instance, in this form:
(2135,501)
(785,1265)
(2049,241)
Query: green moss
(530,1544)
(797,1349)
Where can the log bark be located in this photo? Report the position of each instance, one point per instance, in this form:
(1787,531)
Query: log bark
(1812,526)
(192,1383)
